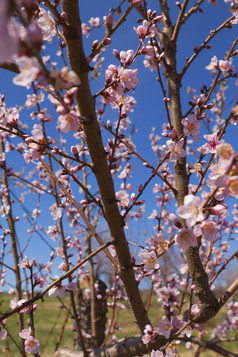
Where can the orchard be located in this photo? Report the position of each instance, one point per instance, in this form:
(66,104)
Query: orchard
(119,177)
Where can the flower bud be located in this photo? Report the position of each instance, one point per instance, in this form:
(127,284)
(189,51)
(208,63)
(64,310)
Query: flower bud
(109,22)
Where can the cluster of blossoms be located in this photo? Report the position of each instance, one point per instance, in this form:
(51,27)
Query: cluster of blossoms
(225,67)
(230,322)
(31,344)
(120,80)
(223,181)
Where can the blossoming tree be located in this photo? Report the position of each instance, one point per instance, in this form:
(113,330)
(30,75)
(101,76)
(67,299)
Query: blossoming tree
(61,154)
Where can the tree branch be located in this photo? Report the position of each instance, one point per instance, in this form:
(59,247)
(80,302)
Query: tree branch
(209,345)
(85,100)
(207,300)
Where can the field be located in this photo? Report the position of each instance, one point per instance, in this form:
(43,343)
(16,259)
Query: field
(49,319)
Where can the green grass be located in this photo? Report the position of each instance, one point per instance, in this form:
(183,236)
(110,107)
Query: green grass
(49,318)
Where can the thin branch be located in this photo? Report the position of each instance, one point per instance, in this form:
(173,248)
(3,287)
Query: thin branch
(80,210)
(228,293)
(192,10)
(204,44)
(41,294)
(209,345)
(179,21)
(228,260)
(111,32)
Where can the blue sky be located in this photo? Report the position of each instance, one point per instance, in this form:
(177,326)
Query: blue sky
(149,111)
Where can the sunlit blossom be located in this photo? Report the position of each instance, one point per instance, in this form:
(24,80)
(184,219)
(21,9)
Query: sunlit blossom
(176,149)
(47,25)
(191,126)
(31,345)
(149,259)
(191,210)
(165,328)
(207,229)
(213,64)
(3,333)
(29,70)
(185,239)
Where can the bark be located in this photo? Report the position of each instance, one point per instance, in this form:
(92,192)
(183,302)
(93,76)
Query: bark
(207,300)
(127,347)
(79,64)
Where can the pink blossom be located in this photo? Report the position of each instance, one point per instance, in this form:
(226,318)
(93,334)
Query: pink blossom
(126,57)
(126,172)
(176,149)
(234,13)
(26,333)
(40,280)
(153,215)
(165,328)
(185,239)
(85,29)
(48,267)
(62,266)
(226,66)
(207,228)
(59,252)
(25,263)
(123,198)
(191,126)
(191,210)
(13,303)
(3,333)
(146,30)
(229,185)
(53,232)
(225,153)
(232,184)
(57,290)
(213,64)
(29,70)
(47,25)
(218,209)
(217,171)
(150,335)
(128,77)
(65,78)
(28,309)
(152,57)
(56,212)
(125,102)
(94,21)
(11,291)
(32,345)
(219,186)
(212,145)
(150,260)
(195,309)
(68,122)
(37,134)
